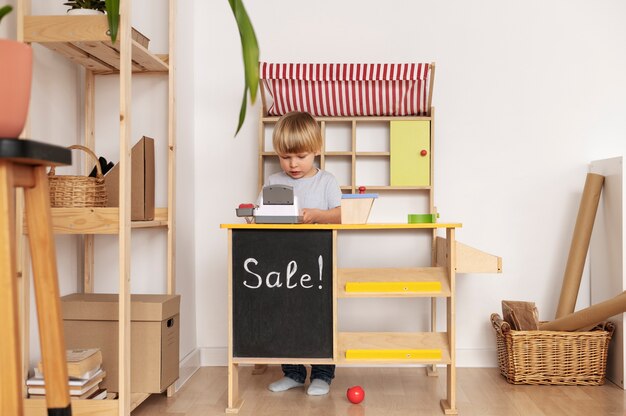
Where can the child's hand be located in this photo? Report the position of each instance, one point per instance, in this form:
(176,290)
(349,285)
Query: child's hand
(311,216)
(320,216)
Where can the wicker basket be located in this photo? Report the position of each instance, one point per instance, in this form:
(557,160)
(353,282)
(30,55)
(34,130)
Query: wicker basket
(72,191)
(552,357)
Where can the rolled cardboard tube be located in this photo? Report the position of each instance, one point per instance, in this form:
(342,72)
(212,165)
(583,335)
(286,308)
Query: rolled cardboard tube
(588,316)
(580,244)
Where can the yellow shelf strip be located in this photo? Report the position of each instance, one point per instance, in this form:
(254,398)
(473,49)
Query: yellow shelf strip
(371,354)
(393,287)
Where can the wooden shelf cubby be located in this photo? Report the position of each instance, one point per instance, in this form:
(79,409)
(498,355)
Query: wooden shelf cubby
(351,154)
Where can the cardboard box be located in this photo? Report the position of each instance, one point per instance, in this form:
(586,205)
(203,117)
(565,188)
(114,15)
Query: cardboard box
(142,181)
(91,320)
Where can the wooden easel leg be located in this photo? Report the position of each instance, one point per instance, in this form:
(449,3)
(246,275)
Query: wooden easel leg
(43,253)
(234,402)
(11,393)
(431,370)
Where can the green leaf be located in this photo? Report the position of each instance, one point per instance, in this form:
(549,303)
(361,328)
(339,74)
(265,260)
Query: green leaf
(250,54)
(113,17)
(4,11)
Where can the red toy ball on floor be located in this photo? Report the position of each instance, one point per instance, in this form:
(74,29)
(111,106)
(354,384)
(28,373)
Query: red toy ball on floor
(355,394)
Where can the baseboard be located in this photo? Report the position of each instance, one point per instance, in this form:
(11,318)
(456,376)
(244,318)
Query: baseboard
(214,356)
(218,356)
(187,367)
(480,358)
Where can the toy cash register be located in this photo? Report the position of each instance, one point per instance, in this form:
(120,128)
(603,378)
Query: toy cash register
(278,205)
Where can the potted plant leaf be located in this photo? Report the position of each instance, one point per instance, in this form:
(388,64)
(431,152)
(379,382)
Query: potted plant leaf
(250,55)
(16,70)
(110,7)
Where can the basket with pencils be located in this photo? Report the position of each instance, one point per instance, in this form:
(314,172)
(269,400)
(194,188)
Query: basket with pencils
(77,191)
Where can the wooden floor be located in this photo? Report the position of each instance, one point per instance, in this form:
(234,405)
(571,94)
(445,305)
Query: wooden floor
(388,392)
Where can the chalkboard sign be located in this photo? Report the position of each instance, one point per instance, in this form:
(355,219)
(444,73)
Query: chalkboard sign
(282,293)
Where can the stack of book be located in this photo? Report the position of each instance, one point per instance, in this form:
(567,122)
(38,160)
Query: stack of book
(84,368)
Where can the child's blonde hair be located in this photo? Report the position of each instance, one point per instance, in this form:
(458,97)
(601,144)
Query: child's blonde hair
(297,132)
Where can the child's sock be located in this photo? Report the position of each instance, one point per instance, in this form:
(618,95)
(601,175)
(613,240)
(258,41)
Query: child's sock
(318,387)
(284,384)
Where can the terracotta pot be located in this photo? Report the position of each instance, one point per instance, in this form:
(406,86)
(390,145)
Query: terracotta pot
(16,69)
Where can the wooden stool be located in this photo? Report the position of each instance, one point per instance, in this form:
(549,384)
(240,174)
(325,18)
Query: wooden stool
(23,164)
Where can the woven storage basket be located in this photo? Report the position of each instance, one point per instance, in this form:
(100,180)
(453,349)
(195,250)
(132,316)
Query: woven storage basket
(73,191)
(552,357)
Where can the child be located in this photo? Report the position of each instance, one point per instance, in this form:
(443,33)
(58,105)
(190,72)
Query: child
(297,140)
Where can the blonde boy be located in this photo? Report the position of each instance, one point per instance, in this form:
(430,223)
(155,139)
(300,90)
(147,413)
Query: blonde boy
(297,140)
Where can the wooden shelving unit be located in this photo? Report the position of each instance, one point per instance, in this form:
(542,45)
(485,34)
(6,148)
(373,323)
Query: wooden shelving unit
(84,41)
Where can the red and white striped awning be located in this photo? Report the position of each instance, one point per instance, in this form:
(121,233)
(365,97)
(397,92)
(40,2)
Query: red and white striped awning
(348,89)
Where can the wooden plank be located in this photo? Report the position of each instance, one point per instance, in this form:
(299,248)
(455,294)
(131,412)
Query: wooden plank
(469,259)
(136,399)
(103,52)
(432,83)
(385,341)
(84,221)
(142,59)
(88,281)
(84,40)
(391,188)
(353,156)
(43,29)
(369,226)
(171,156)
(97,220)
(449,405)
(393,277)
(124,237)
(373,154)
(37,407)
(79,56)
(11,389)
(147,60)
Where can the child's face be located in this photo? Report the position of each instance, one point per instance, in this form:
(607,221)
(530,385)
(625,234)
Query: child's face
(298,165)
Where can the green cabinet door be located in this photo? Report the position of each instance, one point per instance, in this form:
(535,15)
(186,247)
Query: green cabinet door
(410,153)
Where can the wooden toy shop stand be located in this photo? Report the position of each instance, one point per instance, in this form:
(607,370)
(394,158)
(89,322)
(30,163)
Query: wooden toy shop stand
(285,279)
(304,316)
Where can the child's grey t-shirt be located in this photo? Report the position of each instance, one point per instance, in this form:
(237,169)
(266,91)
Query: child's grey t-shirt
(320,191)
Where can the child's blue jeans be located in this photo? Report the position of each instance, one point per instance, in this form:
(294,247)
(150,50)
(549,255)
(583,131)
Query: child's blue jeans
(297,372)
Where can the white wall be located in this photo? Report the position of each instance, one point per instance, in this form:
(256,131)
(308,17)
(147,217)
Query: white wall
(527,94)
